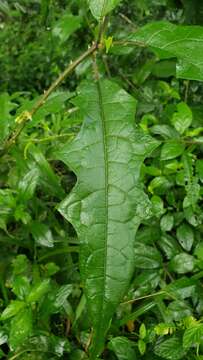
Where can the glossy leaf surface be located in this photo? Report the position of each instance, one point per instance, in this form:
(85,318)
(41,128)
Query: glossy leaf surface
(107,204)
(21,328)
(123,349)
(169,40)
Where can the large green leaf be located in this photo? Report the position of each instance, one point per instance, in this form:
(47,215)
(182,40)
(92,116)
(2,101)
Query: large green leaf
(100,8)
(183,42)
(107,204)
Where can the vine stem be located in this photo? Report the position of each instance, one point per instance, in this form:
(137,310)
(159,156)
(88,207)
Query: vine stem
(28,115)
(50,138)
(162,292)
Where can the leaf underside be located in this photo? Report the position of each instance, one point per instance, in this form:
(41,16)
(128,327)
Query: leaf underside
(107,203)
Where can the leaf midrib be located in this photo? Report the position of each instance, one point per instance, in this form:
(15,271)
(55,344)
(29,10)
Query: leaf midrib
(106,170)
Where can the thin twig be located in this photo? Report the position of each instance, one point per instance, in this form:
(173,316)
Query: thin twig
(187,88)
(106,65)
(50,138)
(102,28)
(143,297)
(129,82)
(126,18)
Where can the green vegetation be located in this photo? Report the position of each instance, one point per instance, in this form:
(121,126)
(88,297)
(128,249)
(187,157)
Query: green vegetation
(101,173)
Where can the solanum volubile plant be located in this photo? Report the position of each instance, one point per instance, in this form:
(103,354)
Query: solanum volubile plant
(108,202)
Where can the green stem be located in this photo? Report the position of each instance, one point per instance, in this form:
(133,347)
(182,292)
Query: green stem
(143,297)
(50,138)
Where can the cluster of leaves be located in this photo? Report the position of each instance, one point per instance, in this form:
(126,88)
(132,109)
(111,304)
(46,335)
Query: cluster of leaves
(149,296)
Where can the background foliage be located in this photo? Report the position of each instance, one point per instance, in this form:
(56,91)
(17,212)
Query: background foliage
(43,308)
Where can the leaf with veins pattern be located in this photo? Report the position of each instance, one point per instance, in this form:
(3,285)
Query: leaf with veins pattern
(107,203)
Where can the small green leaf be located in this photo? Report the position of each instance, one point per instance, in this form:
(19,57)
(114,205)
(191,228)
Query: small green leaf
(142,331)
(185,236)
(146,282)
(152,170)
(42,234)
(48,178)
(169,245)
(182,288)
(166,131)
(123,349)
(182,119)
(27,184)
(171,150)
(21,286)
(158,206)
(147,257)
(59,345)
(161,183)
(108,43)
(199,251)
(182,263)
(193,336)
(100,8)
(141,346)
(178,310)
(38,291)
(167,222)
(63,294)
(12,309)
(170,349)
(51,269)
(20,265)
(66,26)
(21,328)
(193,192)
(164,329)
(3,337)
